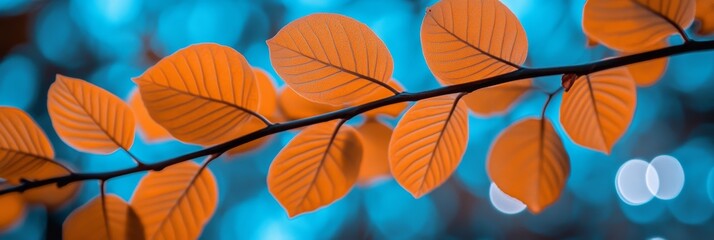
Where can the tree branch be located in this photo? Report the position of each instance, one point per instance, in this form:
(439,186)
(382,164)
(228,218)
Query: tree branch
(347,113)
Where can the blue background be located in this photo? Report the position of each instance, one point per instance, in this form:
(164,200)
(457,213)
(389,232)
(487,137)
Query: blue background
(108,42)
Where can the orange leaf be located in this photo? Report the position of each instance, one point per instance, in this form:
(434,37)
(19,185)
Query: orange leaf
(392,110)
(647,73)
(496,99)
(317,167)
(375,163)
(50,195)
(176,202)
(89,118)
(631,25)
(294,106)
(111,218)
(267,107)
(24,148)
(528,162)
(152,131)
(330,58)
(26,153)
(428,143)
(201,94)
(467,40)
(598,109)
(705,16)
(13,208)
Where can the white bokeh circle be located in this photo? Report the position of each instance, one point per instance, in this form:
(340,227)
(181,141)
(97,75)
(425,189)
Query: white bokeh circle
(504,203)
(665,177)
(631,183)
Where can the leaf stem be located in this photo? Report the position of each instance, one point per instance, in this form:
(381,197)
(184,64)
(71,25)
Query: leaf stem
(684,35)
(138,162)
(210,159)
(560,89)
(390,88)
(102,195)
(547,101)
(349,112)
(256,115)
(102,187)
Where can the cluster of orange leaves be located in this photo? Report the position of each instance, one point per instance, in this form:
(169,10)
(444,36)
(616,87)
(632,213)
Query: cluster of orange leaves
(207,94)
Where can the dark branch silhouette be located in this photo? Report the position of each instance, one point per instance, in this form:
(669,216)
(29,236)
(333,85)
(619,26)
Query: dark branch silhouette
(350,112)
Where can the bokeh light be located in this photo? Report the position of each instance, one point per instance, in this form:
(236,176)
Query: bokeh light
(645,213)
(631,182)
(710,185)
(13,7)
(261,217)
(187,23)
(388,205)
(665,177)
(18,81)
(504,203)
(692,206)
(57,37)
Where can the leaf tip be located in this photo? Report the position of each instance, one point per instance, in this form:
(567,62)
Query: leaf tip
(140,79)
(605,150)
(417,194)
(270,41)
(292,214)
(61,78)
(535,209)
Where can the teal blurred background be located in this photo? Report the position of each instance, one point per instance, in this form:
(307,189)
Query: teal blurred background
(108,42)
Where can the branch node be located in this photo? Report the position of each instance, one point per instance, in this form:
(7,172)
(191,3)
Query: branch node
(568,80)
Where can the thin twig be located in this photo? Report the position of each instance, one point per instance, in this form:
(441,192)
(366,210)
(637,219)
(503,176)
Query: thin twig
(347,113)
